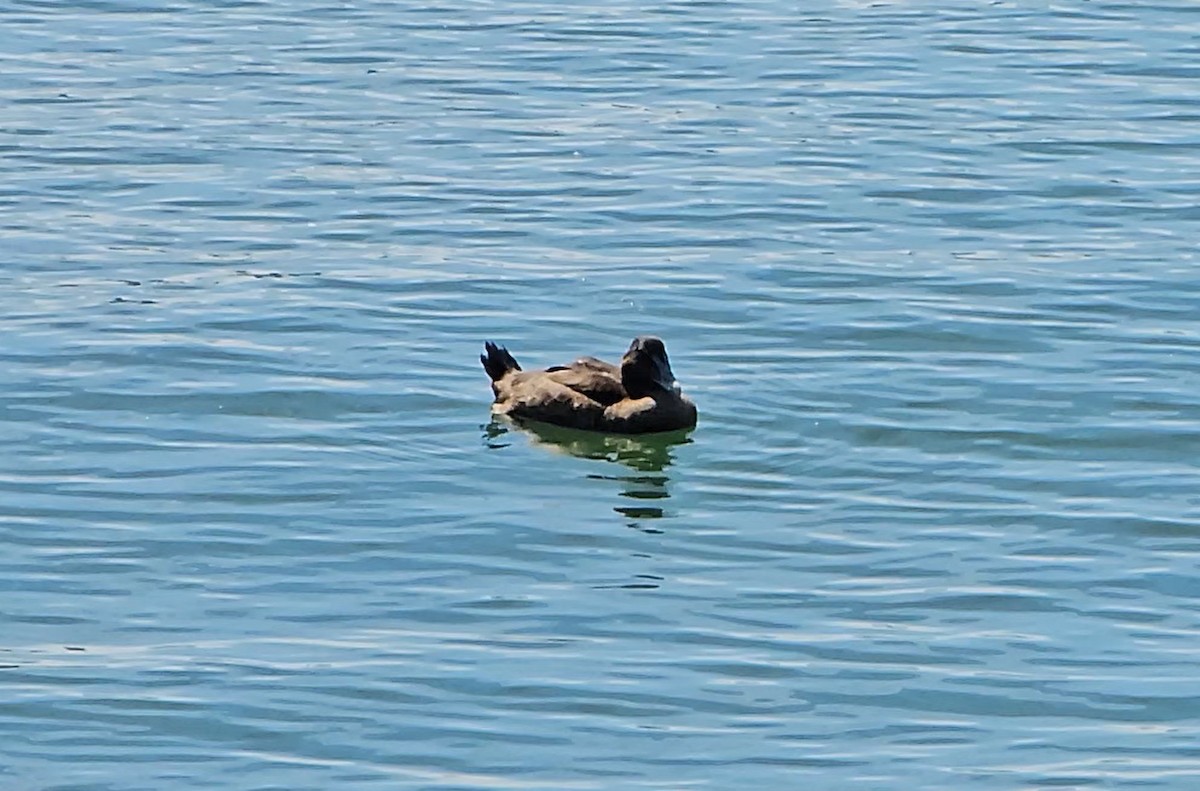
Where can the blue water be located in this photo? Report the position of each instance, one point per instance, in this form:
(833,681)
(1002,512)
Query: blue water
(929,270)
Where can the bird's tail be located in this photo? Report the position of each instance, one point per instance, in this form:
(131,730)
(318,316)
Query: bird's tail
(497,361)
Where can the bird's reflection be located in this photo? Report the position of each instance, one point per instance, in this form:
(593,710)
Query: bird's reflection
(648,456)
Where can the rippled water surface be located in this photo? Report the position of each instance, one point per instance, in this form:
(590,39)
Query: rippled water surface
(928,269)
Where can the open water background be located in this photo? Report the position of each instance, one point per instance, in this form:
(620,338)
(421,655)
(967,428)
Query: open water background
(928,269)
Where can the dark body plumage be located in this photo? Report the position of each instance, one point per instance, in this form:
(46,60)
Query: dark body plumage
(638,396)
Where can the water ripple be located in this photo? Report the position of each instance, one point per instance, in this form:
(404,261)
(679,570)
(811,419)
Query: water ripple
(928,273)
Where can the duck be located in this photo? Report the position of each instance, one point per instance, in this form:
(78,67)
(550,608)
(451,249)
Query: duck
(639,395)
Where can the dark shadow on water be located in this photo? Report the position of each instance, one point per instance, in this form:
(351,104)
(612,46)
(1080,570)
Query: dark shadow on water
(648,456)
